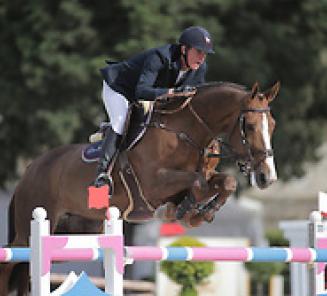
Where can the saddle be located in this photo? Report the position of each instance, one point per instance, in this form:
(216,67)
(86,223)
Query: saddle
(138,119)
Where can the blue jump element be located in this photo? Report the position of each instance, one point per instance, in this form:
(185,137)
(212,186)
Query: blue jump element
(269,255)
(101,254)
(177,253)
(20,254)
(321,255)
(84,287)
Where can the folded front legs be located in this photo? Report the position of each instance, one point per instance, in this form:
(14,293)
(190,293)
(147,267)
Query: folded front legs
(210,200)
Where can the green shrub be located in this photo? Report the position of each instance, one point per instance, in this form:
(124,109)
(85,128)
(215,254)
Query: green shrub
(276,238)
(187,273)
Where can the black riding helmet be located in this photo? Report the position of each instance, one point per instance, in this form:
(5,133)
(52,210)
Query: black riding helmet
(198,38)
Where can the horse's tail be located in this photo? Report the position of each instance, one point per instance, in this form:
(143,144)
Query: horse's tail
(19,276)
(11,221)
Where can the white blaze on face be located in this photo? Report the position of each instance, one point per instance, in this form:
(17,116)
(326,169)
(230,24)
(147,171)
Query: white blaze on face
(267,141)
(252,179)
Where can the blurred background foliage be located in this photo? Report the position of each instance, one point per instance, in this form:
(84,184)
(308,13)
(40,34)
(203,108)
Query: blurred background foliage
(51,51)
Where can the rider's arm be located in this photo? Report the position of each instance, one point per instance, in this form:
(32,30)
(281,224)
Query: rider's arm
(144,88)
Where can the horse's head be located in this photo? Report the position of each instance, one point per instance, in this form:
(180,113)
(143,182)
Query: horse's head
(251,138)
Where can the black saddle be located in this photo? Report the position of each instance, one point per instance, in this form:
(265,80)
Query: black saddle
(139,116)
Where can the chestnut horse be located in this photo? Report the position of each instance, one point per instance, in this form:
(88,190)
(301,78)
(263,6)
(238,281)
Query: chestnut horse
(166,162)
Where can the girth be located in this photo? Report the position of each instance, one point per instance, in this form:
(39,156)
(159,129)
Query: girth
(139,209)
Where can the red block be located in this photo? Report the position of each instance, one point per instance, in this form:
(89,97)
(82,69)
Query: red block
(98,197)
(171,229)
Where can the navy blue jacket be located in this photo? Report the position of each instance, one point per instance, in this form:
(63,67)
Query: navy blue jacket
(150,74)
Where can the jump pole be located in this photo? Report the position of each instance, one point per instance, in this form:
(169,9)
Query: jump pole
(46,248)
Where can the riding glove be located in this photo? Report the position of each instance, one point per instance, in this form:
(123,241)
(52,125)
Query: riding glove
(184,89)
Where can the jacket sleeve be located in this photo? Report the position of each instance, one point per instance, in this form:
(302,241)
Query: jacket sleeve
(145,89)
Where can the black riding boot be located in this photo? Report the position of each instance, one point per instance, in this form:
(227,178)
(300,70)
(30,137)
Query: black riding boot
(110,146)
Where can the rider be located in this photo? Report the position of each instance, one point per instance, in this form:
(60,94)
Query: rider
(164,70)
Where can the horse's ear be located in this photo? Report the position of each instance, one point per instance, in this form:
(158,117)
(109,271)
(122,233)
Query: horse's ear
(255,89)
(273,92)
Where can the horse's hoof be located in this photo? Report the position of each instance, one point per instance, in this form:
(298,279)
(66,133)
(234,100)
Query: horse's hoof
(209,217)
(230,183)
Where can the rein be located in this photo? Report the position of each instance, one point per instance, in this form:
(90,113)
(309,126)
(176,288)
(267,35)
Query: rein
(181,135)
(178,109)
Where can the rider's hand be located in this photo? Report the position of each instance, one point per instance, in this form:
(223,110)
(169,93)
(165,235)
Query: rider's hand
(181,90)
(184,89)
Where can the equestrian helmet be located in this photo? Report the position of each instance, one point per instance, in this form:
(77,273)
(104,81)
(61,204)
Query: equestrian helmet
(198,38)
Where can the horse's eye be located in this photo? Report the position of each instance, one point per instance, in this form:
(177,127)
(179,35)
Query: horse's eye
(250,127)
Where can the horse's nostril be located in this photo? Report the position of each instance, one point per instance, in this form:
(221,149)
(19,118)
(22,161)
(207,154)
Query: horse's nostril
(262,178)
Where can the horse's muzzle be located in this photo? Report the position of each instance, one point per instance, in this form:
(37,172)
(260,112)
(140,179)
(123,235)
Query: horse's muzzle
(261,179)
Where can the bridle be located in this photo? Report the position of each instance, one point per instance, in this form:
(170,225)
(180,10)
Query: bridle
(245,162)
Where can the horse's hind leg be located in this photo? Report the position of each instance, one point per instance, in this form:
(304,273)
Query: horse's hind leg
(16,274)
(5,272)
(6,269)
(19,273)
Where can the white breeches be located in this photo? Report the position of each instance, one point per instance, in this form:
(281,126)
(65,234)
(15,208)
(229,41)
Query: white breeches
(116,106)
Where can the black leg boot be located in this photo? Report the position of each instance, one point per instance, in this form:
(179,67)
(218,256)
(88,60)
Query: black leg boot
(110,146)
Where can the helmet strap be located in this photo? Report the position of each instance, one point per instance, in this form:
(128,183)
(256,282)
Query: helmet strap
(184,55)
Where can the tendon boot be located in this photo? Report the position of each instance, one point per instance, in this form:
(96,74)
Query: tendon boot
(110,147)
(187,204)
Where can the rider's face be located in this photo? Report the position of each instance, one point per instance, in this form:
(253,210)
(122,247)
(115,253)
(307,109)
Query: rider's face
(195,58)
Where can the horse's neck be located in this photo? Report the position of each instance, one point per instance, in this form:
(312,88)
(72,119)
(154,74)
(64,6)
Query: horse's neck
(220,108)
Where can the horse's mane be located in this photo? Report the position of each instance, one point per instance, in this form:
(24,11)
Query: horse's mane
(207,85)
(177,102)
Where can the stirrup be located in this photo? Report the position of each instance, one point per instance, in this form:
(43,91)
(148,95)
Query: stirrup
(103,179)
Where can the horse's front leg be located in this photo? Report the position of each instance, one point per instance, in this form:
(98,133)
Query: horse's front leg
(197,193)
(171,182)
(221,186)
